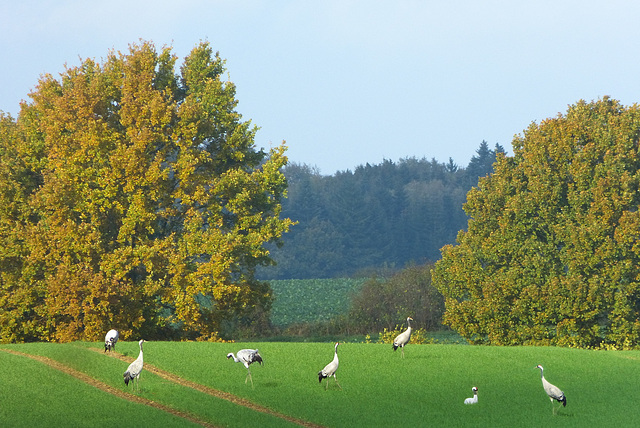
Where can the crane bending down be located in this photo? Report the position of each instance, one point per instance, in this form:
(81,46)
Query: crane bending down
(403,338)
(246,357)
(134,370)
(110,340)
(330,369)
(474,399)
(552,391)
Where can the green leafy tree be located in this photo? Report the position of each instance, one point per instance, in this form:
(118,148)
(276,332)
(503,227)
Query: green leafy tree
(551,253)
(137,200)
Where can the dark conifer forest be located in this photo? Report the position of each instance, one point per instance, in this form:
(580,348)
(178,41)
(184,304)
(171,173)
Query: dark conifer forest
(384,216)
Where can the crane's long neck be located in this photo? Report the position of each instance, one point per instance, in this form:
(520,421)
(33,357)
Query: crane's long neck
(235,359)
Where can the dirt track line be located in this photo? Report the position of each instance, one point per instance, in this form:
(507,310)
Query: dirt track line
(213,392)
(108,388)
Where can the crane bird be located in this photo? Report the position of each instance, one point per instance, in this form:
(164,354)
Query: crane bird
(552,391)
(330,369)
(246,357)
(133,372)
(474,399)
(403,338)
(110,340)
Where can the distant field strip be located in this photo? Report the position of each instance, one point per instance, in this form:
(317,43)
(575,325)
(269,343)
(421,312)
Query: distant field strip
(311,300)
(213,392)
(107,388)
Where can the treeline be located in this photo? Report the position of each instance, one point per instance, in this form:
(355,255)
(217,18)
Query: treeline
(378,216)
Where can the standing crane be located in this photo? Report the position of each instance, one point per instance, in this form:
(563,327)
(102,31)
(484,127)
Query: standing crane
(330,369)
(110,340)
(246,357)
(403,338)
(134,370)
(474,399)
(552,391)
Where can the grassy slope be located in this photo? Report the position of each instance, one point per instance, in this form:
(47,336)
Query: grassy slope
(379,388)
(430,384)
(34,395)
(109,371)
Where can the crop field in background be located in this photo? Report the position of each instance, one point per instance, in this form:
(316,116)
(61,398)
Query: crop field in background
(379,388)
(310,300)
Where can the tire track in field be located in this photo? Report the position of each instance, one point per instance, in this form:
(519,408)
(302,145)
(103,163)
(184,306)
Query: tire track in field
(108,388)
(212,391)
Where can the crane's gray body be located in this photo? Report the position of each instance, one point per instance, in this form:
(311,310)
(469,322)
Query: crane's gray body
(135,368)
(246,357)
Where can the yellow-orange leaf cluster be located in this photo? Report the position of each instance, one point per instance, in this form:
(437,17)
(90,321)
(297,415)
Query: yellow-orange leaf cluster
(133,197)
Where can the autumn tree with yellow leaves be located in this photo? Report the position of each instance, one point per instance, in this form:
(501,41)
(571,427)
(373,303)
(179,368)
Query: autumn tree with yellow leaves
(132,196)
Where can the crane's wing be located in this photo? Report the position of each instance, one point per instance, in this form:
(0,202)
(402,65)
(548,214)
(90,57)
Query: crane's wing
(249,356)
(329,369)
(134,369)
(402,338)
(553,391)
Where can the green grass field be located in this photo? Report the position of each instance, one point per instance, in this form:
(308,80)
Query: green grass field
(379,388)
(311,300)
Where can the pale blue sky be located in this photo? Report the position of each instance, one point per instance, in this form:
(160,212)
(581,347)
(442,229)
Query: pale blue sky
(350,82)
